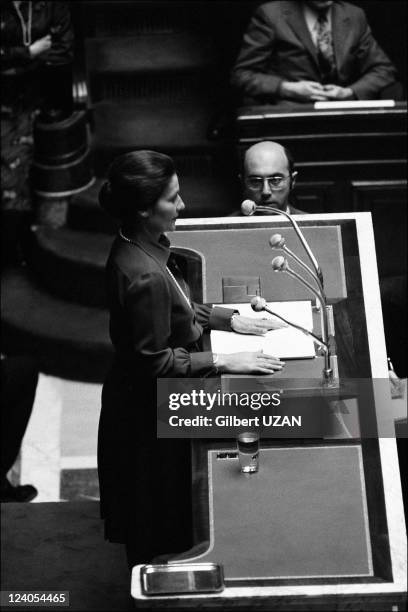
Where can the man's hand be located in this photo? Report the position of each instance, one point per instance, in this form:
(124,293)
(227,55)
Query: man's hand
(305,91)
(249,363)
(252,325)
(335,92)
(40,46)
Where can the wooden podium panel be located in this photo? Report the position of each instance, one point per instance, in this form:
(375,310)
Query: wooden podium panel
(245,252)
(328,135)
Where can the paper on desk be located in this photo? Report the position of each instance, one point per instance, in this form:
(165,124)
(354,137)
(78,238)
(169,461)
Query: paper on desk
(335,104)
(285,343)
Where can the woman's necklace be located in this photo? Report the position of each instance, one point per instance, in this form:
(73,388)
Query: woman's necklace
(178,286)
(26,28)
(126,239)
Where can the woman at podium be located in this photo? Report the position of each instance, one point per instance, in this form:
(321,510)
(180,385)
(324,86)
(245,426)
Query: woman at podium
(156,331)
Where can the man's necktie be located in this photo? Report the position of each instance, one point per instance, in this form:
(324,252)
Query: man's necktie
(325,51)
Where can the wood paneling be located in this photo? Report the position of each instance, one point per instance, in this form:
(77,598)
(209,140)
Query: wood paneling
(387,202)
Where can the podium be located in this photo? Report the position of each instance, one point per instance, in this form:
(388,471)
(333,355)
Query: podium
(321,526)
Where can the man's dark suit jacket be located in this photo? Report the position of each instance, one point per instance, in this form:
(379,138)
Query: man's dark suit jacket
(277,46)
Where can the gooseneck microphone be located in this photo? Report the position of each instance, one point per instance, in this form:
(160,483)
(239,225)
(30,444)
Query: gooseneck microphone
(248,208)
(276,241)
(280,264)
(258,304)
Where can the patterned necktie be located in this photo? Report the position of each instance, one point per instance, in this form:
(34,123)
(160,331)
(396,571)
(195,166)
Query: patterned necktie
(325,51)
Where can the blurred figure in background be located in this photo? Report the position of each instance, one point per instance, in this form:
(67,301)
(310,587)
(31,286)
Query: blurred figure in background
(36,57)
(19,377)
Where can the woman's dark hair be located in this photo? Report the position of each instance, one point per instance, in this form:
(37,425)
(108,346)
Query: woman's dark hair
(136,180)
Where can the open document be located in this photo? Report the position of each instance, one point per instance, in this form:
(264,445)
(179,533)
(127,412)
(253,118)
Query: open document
(285,343)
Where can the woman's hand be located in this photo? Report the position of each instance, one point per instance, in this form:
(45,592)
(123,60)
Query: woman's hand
(249,363)
(40,46)
(252,325)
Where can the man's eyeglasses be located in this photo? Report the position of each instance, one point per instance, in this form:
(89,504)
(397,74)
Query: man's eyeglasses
(256,183)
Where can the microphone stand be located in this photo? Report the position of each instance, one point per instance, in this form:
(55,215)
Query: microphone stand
(282,247)
(283,266)
(300,236)
(328,370)
(318,341)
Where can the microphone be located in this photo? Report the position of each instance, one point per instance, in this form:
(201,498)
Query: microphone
(248,208)
(276,241)
(280,264)
(258,304)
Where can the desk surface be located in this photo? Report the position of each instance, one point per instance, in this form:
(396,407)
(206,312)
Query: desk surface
(303,515)
(293,111)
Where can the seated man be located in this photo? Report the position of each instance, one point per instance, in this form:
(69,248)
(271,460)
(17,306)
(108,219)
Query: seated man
(269,177)
(310,51)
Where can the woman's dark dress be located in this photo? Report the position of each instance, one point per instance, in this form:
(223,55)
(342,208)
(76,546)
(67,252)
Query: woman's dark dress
(145,482)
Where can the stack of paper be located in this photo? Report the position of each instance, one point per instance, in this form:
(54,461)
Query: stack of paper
(285,343)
